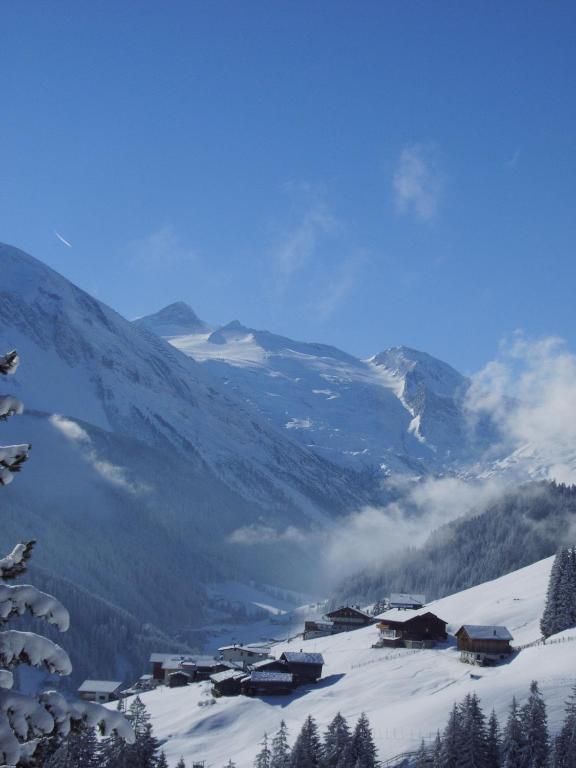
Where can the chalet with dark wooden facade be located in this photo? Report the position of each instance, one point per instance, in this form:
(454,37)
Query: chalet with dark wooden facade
(483,645)
(178,679)
(228,682)
(421,631)
(306,667)
(161,662)
(265,683)
(406,601)
(349,617)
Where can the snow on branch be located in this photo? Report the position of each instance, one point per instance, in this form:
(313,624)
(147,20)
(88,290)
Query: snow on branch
(37,651)
(93,715)
(10,406)
(9,362)
(15,601)
(15,563)
(11,459)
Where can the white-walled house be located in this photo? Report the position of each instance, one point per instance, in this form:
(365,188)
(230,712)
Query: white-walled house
(100,690)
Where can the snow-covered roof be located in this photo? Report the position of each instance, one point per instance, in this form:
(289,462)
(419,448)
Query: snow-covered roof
(352,609)
(99,686)
(263,676)
(156,658)
(486,632)
(402,598)
(265,663)
(293,657)
(227,674)
(204,661)
(179,672)
(256,650)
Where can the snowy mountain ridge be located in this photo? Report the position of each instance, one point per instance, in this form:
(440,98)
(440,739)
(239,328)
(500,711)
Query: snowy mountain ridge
(400,410)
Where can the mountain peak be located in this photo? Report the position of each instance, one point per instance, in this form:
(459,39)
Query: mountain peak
(176,319)
(436,375)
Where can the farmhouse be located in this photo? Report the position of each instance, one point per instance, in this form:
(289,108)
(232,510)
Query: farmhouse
(160,662)
(421,631)
(483,645)
(227,683)
(266,683)
(348,617)
(306,667)
(100,690)
(201,667)
(314,629)
(178,679)
(403,602)
(244,654)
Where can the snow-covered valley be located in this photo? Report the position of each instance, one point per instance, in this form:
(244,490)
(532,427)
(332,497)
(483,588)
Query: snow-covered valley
(406,694)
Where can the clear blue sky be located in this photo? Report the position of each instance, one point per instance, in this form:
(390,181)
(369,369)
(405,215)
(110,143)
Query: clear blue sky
(361,173)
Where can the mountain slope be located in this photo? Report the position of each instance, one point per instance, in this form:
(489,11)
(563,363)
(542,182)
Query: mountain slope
(400,411)
(407,695)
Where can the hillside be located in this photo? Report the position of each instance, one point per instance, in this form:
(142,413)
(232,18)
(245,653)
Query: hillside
(406,694)
(523,525)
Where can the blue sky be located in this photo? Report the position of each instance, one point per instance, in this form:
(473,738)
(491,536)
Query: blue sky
(361,173)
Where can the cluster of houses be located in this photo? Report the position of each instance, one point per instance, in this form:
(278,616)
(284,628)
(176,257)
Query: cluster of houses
(251,670)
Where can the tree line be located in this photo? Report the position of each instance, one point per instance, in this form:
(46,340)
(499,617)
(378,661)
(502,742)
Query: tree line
(339,747)
(470,740)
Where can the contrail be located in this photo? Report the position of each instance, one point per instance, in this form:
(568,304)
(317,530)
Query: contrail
(59,236)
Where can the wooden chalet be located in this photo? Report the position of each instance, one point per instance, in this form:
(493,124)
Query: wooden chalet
(160,662)
(244,654)
(483,645)
(228,682)
(314,629)
(201,667)
(349,617)
(266,683)
(406,601)
(178,679)
(100,690)
(272,665)
(306,667)
(421,631)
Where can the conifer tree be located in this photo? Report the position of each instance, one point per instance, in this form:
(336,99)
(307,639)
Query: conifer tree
(280,753)
(307,751)
(230,764)
(162,762)
(80,750)
(451,739)
(361,751)
(437,752)
(513,740)
(181,763)
(560,610)
(336,741)
(422,756)
(494,742)
(536,747)
(565,745)
(264,756)
(473,747)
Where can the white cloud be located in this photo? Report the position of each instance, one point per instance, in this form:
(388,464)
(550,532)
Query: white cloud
(264,534)
(161,248)
(338,288)
(112,473)
(417,182)
(69,429)
(368,536)
(299,245)
(530,393)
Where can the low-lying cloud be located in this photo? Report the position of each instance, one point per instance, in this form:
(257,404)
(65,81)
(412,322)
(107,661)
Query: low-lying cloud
(111,473)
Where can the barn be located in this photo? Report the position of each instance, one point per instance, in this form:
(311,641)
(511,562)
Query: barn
(178,679)
(265,683)
(306,667)
(483,644)
(100,690)
(227,683)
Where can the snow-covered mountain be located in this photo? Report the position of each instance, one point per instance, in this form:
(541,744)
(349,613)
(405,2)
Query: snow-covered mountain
(401,410)
(83,360)
(407,695)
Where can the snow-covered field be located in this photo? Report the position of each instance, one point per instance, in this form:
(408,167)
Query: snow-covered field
(406,694)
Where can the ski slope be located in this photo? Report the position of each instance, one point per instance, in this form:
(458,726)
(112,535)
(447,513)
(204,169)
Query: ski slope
(406,694)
